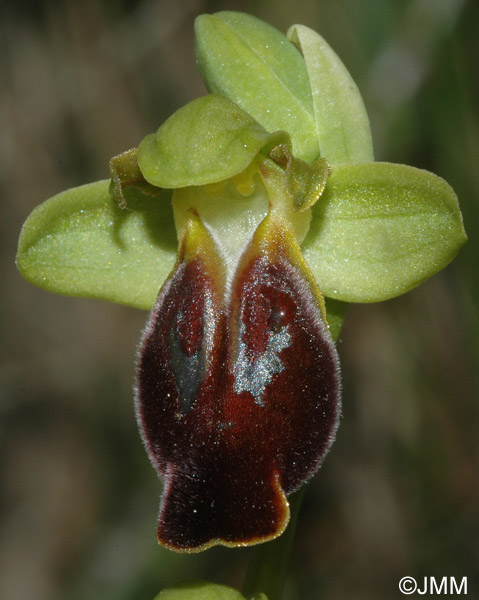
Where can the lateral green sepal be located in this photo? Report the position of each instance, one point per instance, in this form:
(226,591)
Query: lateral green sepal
(381,229)
(81,243)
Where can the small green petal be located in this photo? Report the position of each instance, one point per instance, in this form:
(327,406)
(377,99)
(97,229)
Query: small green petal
(124,172)
(208,140)
(342,124)
(254,65)
(305,182)
(80,243)
(381,229)
(200,590)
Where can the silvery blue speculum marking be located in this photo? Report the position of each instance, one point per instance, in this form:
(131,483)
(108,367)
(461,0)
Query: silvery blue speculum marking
(237,389)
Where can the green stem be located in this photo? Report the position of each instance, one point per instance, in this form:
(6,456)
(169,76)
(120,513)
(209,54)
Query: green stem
(268,563)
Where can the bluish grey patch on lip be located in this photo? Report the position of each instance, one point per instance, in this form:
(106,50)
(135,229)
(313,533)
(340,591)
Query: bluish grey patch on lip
(255,375)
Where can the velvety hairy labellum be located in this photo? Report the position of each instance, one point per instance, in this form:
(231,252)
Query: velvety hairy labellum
(238,390)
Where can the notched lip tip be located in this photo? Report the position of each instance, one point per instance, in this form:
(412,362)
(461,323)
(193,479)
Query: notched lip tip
(225,543)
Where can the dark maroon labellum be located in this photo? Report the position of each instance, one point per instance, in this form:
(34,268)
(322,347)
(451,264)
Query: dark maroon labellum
(238,392)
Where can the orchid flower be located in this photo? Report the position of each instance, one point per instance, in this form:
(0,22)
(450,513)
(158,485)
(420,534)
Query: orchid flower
(281,217)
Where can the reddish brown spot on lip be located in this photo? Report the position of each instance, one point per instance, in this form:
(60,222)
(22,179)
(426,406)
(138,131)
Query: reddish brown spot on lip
(191,311)
(237,404)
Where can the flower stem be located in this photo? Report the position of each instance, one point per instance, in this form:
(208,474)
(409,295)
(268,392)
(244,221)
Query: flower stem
(267,568)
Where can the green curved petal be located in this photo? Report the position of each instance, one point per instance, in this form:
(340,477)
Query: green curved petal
(342,124)
(80,243)
(208,140)
(254,65)
(381,229)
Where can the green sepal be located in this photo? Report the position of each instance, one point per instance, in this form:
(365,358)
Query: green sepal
(201,590)
(381,229)
(254,65)
(342,124)
(206,141)
(81,243)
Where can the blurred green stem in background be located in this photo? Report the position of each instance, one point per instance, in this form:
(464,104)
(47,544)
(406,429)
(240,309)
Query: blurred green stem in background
(269,562)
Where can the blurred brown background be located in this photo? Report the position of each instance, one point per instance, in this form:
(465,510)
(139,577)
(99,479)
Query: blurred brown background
(398,495)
